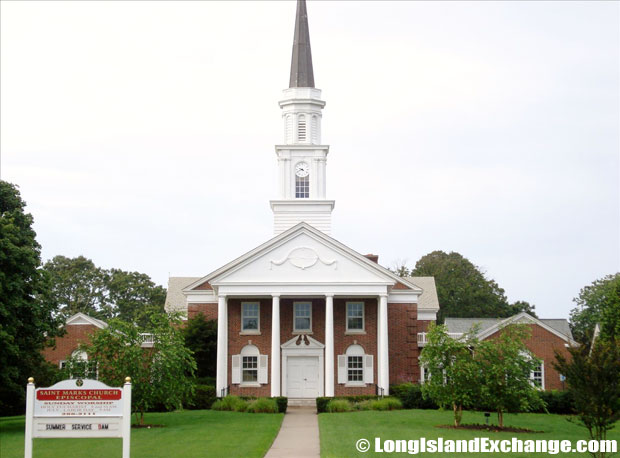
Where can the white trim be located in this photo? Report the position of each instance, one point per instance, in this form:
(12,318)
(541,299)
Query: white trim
(522,316)
(301,331)
(250,331)
(80,319)
(542,372)
(427,315)
(355,331)
(289,234)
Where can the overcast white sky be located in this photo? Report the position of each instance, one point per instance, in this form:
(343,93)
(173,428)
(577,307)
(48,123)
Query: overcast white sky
(141,133)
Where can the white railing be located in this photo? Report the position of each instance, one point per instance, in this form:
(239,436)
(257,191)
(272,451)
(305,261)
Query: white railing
(148,339)
(423,339)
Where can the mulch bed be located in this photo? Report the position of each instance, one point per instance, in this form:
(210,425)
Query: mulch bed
(492,428)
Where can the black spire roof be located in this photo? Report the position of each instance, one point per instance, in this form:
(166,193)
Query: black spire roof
(301,63)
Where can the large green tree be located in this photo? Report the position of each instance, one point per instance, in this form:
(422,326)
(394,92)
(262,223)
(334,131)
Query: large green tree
(78,285)
(505,364)
(454,380)
(201,338)
(599,303)
(463,290)
(593,379)
(27,312)
(160,375)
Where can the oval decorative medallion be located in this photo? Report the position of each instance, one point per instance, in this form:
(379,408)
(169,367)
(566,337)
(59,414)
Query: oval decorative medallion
(303,257)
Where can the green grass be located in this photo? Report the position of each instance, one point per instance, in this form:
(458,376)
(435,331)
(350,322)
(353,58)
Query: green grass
(187,434)
(340,431)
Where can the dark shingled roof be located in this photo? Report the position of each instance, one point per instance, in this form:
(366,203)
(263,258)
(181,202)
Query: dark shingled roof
(301,63)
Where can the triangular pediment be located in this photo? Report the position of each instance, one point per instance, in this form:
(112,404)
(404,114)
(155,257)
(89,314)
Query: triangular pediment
(303,341)
(302,255)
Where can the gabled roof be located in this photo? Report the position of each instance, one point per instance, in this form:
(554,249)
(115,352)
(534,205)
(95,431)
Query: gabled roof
(321,237)
(175,299)
(82,319)
(488,326)
(428,299)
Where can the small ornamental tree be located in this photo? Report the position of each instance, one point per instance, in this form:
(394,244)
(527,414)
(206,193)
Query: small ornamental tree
(593,379)
(160,375)
(454,376)
(505,365)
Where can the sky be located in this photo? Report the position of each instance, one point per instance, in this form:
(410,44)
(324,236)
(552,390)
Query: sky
(141,134)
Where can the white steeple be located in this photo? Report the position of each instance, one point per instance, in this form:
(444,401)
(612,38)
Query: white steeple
(302,158)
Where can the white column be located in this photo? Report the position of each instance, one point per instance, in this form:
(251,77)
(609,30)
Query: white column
(221,380)
(329,345)
(127,418)
(383,366)
(275,345)
(29,418)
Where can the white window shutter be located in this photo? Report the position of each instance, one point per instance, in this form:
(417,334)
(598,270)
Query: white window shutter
(368,369)
(263,368)
(236,369)
(342,368)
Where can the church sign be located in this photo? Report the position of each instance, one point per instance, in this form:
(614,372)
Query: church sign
(78,408)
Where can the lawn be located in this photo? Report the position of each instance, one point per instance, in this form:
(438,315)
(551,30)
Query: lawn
(187,434)
(340,431)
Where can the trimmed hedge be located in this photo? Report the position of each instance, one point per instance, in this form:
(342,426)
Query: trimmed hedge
(204,397)
(282,402)
(410,395)
(560,402)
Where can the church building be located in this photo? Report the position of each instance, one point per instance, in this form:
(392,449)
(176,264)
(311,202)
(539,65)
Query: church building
(303,315)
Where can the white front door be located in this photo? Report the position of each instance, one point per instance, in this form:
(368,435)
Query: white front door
(302,377)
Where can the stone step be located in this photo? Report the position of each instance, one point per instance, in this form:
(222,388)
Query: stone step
(302,402)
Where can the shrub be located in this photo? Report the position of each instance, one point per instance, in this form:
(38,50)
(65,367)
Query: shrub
(204,397)
(560,402)
(411,396)
(339,405)
(282,402)
(386,404)
(263,405)
(230,403)
(364,405)
(321,404)
(205,381)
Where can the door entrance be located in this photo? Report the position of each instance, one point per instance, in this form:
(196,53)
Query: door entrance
(302,377)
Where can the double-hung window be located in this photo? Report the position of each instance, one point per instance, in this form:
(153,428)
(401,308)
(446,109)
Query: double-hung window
(302,318)
(250,317)
(249,369)
(355,316)
(537,376)
(355,369)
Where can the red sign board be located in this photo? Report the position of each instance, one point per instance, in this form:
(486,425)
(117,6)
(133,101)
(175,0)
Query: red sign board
(78,395)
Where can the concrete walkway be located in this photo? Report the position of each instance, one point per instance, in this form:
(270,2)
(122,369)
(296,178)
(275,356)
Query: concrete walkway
(298,436)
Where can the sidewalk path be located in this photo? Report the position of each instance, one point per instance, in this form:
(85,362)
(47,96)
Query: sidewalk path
(298,436)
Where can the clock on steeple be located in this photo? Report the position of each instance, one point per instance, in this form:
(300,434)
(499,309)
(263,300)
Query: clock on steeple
(302,158)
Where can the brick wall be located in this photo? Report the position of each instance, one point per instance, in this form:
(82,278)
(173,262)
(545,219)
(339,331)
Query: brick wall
(543,344)
(67,344)
(368,341)
(209,310)
(403,343)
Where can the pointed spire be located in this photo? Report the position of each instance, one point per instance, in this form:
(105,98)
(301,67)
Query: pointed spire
(301,63)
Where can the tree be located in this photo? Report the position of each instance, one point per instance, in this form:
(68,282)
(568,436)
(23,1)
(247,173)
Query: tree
(505,365)
(132,296)
(593,378)
(78,285)
(463,290)
(27,313)
(598,302)
(160,375)
(454,376)
(201,338)
(399,267)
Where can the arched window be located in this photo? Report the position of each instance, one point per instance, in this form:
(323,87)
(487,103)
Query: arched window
(249,363)
(301,129)
(249,367)
(315,129)
(288,129)
(355,367)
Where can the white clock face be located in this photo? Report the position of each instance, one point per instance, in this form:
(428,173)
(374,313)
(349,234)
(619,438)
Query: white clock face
(302,169)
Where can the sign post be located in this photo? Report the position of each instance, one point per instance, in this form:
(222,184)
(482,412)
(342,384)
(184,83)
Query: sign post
(78,408)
